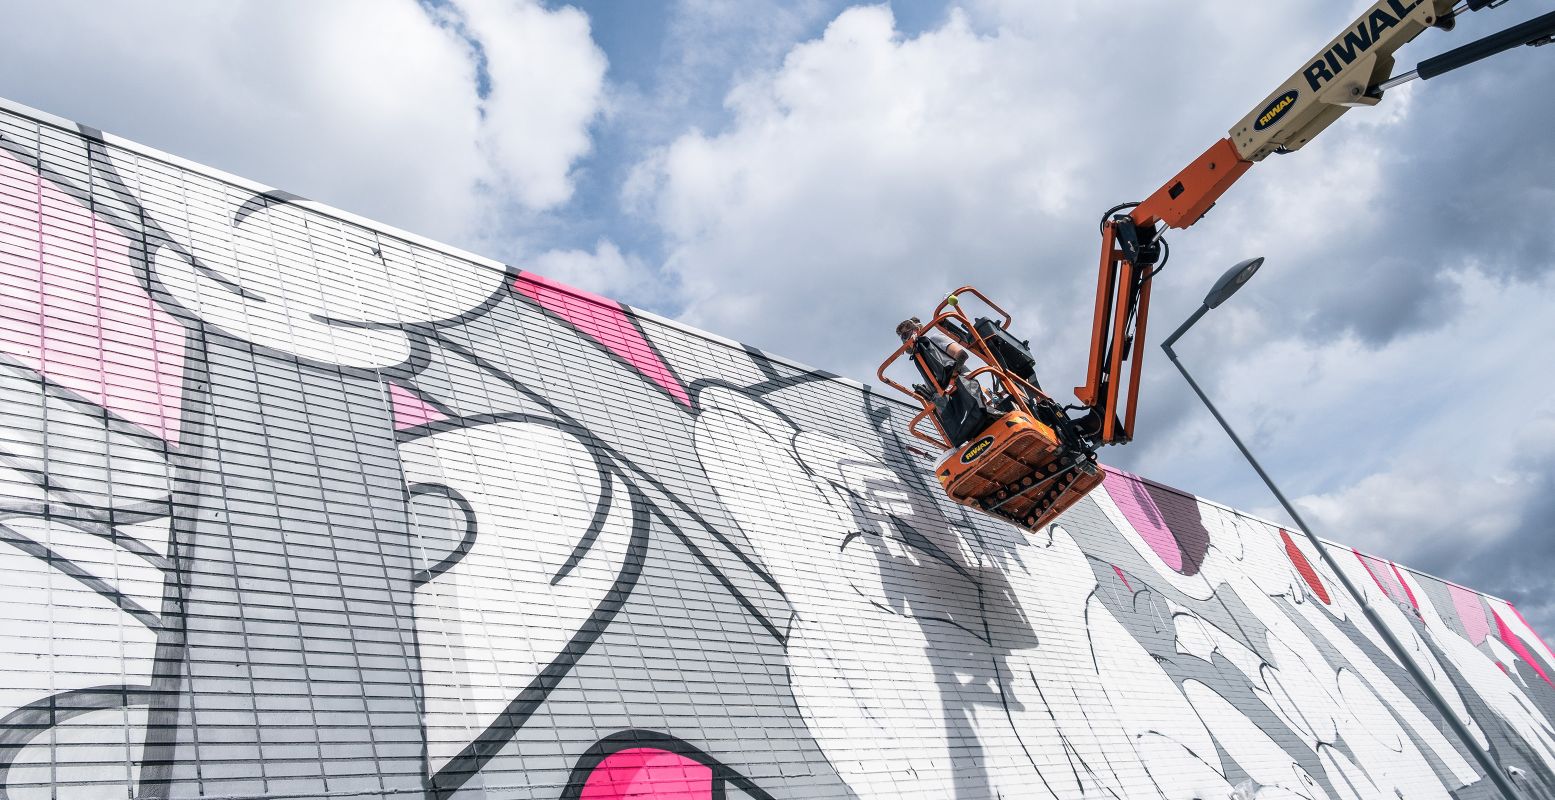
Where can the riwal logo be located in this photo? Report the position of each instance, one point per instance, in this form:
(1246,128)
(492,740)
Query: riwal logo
(1356,42)
(977,449)
(1276,110)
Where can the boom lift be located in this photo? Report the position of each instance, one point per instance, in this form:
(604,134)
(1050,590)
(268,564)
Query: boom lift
(1032,459)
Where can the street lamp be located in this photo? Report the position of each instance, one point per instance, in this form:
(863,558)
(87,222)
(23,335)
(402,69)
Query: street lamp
(1234,279)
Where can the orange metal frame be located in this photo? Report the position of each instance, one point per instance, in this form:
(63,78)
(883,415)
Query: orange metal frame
(1014,385)
(1179,203)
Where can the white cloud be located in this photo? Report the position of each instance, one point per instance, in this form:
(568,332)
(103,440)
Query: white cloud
(1435,441)
(547,79)
(866,173)
(871,171)
(605,271)
(870,164)
(362,104)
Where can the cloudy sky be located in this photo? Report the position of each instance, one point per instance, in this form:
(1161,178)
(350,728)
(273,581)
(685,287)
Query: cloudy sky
(801,175)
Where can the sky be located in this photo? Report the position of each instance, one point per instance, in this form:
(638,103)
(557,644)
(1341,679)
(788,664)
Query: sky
(801,175)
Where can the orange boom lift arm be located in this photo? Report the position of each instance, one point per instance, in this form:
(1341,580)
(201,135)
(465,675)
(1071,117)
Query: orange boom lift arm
(1032,460)
(1353,70)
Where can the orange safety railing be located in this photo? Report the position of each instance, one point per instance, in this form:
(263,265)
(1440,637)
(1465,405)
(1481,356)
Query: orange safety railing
(967,336)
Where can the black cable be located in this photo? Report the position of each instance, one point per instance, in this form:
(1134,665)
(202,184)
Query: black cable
(1166,255)
(1115,209)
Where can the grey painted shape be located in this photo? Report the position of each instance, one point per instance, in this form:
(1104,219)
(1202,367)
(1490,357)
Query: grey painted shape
(300,624)
(562,374)
(663,665)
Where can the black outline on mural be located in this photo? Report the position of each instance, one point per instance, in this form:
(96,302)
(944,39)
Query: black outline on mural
(41,716)
(551,408)
(486,745)
(466,542)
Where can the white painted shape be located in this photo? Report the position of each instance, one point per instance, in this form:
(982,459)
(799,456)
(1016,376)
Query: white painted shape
(1192,638)
(154,533)
(1503,654)
(1059,706)
(1179,774)
(18,489)
(94,465)
(1279,699)
(849,652)
(1246,744)
(1349,781)
(275,324)
(1225,530)
(93,756)
(495,619)
(124,571)
(1493,687)
(296,294)
(1148,705)
(1387,691)
(1305,675)
(63,635)
(1382,748)
(1515,623)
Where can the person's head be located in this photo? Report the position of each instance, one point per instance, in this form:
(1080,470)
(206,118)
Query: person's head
(907,327)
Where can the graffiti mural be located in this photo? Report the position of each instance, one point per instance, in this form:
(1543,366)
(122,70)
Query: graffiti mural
(296,505)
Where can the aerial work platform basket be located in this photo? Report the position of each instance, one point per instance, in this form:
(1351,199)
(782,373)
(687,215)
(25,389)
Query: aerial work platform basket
(1010,450)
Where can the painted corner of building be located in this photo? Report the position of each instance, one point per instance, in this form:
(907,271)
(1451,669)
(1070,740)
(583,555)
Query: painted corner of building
(299,505)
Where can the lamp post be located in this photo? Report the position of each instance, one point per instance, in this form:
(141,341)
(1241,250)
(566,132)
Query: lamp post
(1234,279)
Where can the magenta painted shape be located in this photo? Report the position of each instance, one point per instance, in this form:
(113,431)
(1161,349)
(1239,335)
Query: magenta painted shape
(1536,634)
(650,774)
(410,410)
(71,308)
(1373,567)
(1123,578)
(1471,613)
(1401,582)
(606,322)
(1140,510)
(1511,640)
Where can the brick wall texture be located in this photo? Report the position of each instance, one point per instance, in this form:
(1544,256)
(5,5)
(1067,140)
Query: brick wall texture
(299,506)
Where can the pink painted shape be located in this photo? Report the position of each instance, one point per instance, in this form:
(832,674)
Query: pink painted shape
(1511,640)
(410,410)
(648,773)
(1367,562)
(71,308)
(1471,613)
(1122,577)
(1401,582)
(1141,512)
(606,322)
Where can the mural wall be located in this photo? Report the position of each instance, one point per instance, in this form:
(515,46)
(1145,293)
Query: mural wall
(297,506)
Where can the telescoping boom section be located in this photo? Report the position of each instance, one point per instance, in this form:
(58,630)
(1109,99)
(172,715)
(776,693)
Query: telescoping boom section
(1014,452)
(1351,71)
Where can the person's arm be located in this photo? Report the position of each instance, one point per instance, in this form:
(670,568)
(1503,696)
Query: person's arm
(958,353)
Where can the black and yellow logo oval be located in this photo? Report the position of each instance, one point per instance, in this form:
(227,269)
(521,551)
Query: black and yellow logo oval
(976,449)
(1279,108)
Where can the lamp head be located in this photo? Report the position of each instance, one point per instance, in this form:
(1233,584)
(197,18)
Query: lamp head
(1233,280)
